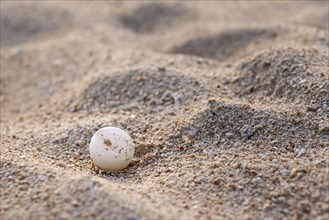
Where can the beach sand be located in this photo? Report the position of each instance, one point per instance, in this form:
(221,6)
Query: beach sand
(227,104)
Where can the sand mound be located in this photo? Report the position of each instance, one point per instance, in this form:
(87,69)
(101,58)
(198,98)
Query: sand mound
(152,17)
(300,76)
(225,44)
(226,125)
(25,182)
(58,198)
(22,23)
(147,88)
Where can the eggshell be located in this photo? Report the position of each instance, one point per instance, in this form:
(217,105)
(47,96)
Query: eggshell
(111,148)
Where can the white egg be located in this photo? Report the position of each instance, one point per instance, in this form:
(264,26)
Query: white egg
(111,148)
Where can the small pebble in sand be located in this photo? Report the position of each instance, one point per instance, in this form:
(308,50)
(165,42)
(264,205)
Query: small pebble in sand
(111,148)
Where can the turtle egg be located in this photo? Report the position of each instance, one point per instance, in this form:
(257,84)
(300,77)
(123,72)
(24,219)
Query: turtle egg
(111,148)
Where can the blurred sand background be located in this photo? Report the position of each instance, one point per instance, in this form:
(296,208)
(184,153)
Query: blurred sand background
(227,103)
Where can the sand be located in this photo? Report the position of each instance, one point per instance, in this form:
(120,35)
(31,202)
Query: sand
(227,104)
